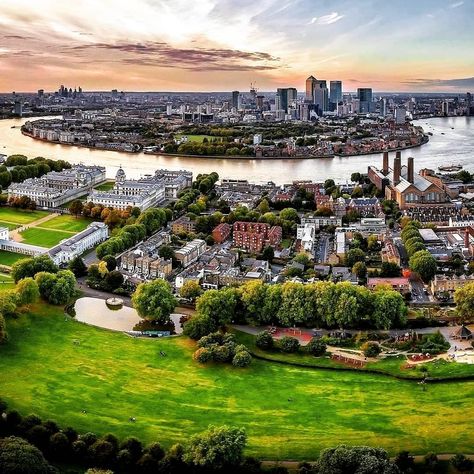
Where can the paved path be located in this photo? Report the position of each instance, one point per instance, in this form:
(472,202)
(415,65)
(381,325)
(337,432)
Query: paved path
(16,234)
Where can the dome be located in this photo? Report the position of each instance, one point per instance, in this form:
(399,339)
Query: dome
(120,176)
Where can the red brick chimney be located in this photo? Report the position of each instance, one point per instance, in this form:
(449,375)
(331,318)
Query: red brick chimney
(397,168)
(466,238)
(411,170)
(385,163)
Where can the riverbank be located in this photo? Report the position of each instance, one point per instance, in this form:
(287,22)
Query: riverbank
(232,157)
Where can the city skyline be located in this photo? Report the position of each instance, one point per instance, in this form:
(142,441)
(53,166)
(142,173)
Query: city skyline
(214,45)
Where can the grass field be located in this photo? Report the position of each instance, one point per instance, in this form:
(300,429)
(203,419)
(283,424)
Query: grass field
(67,223)
(105,186)
(198,138)
(43,237)
(6,282)
(289,412)
(9,225)
(20,216)
(9,258)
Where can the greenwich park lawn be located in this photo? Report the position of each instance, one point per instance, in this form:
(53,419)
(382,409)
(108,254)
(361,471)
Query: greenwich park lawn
(44,237)
(9,258)
(289,412)
(20,216)
(66,222)
(6,282)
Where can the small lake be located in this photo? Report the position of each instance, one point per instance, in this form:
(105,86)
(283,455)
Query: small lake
(94,311)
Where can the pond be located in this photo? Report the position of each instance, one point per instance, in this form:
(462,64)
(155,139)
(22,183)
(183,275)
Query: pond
(95,311)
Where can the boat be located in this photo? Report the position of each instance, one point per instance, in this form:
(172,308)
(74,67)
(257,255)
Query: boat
(450,168)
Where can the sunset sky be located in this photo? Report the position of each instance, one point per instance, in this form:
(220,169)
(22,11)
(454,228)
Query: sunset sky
(220,45)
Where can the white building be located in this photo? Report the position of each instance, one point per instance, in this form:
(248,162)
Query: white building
(94,234)
(190,252)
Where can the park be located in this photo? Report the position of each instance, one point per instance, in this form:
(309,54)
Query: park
(96,380)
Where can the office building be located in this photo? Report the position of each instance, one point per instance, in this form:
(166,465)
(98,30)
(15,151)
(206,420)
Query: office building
(317,94)
(335,94)
(285,98)
(364,95)
(236,100)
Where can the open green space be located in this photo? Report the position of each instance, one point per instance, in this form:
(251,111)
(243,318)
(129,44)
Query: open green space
(6,282)
(393,366)
(43,237)
(198,138)
(9,225)
(20,216)
(67,223)
(289,412)
(9,258)
(105,186)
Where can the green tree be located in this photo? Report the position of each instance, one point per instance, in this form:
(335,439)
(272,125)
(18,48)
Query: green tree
(389,309)
(166,252)
(110,261)
(218,305)
(268,253)
(8,303)
(390,269)
(3,330)
(27,291)
(263,207)
(17,456)
(360,270)
(199,326)
(217,448)
(76,207)
(114,279)
(29,267)
(289,214)
(464,299)
(289,344)
(190,290)
(316,347)
(154,300)
(77,266)
(353,256)
(423,263)
(264,340)
(302,257)
(253,295)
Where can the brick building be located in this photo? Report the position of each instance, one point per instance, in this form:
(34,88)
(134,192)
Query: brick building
(254,236)
(221,233)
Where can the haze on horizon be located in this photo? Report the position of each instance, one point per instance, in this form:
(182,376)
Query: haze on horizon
(220,45)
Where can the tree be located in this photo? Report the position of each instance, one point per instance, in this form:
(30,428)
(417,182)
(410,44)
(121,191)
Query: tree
(464,299)
(242,359)
(302,257)
(76,207)
(389,309)
(356,177)
(355,459)
(8,303)
(110,261)
(29,267)
(114,279)
(218,305)
(462,463)
(199,326)
(316,347)
(3,330)
(268,253)
(390,269)
(423,263)
(154,300)
(190,290)
(360,270)
(264,340)
(17,456)
(289,214)
(289,344)
(77,266)
(27,291)
(166,252)
(263,207)
(370,349)
(217,448)
(353,256)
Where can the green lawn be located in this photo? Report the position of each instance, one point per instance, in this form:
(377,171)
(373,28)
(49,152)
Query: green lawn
(66,222)
(198,138)
(6,282)
(43,237)
(20,216)
(289,412)
(105,186)
(9,258)
(9,225)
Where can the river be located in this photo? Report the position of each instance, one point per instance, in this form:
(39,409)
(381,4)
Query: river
(452,142)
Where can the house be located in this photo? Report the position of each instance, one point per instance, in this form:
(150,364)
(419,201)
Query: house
(400,284)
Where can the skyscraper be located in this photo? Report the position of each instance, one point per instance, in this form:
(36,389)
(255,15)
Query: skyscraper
(335,94)
(236,99)
(285,97)
(364,94)
(317,94)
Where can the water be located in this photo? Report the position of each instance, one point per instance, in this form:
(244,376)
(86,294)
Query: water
(456,145)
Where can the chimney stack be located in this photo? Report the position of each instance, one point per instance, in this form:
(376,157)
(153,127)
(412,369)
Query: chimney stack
(385,163)
(411,170)
(466,238)
(397,168)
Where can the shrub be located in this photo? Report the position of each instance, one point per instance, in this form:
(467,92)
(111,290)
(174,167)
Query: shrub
(289,344)
(264,340)
(371,349)
(242,359)
(316,347)
(462,463)
(203,355)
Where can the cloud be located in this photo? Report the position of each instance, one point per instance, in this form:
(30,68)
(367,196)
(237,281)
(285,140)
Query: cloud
(326,19)
(456,5)
(163,54)
(466,82)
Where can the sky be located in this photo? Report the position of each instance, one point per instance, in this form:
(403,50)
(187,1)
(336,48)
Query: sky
(221,45)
